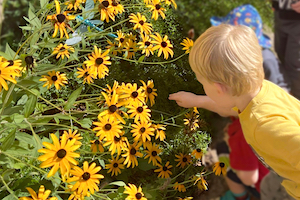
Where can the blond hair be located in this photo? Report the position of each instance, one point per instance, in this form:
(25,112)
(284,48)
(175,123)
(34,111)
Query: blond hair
(229,55)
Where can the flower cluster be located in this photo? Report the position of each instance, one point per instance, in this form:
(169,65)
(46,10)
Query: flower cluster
(9,70)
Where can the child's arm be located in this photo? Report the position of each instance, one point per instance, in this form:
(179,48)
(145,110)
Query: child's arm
(248,177)
(189,100)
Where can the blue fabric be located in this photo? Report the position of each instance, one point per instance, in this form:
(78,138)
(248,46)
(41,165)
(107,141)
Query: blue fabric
(245,15)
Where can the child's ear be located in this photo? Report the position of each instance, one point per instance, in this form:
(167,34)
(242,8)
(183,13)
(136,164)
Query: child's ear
(221,88)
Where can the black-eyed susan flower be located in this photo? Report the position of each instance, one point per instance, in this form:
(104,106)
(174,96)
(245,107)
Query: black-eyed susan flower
(96,146)
(75,194)
(186,198)
(160,132)
(59,155)
(73,134)
(142,131)
(153,154)
(183,160)
(116,88)
(107,127)
(130,48)
(201,183)
(219,168)
(60,21)
(86,179)
(131,154)
(118,8)
(29,60)
(169,2)
(115,165)
(62,50)
(149,91)
(121,38)
(164,171)
(187,45)
(16,64)
(76,4)
(140,23)
(197,153)
(157,9)
(106,10)
(140,113)
(146,45)
(179,187)
(163,45)
(133,95)
(7,73)
(55,78)
(147,1)
(134,193)
(112,107)
(87,73)
(42,195)
(98,61)
(117,144)
(113,47)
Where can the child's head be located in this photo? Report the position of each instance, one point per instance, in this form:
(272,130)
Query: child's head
(230,56)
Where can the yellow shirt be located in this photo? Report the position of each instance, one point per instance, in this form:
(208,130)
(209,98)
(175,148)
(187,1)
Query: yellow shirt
(271,125)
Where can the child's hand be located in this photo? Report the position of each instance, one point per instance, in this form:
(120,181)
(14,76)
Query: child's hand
(296,7)
(184,99)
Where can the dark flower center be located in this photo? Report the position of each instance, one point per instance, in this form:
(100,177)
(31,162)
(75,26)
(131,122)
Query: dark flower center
(70,138)
(115,3)
(140,109)
(115,165)
(198,150)
(99,61)
(60,18)
(117,139)
(122,40)
(222,165)
(154,153)
(86,74)
(147,43)
(113,108)
(157,6)
(11,62)
(164,44)
(61,153)
(149,90)
(86,176)
(184,159)
(54,78)
(138,195)
(132,151)
(105,4)
(131,49)
(141,22)
(165,168)
(142,130)
(29,60)
(62,48)
(134,94)
(97,142)
(107,127)
(0,71)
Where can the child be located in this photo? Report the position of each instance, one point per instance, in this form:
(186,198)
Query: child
(227,61)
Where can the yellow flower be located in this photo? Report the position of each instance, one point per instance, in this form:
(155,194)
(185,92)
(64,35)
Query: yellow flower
(115,165)
(118,8)
(59,155)
(186,198)
(141,112)
(98,62)
(60,21)
(183,160)
(62,50)
(146,45)
(142,131)
(113,47)
(86,178)
(202,184)
(117,144)
(134,193)
(163,45)
(74,4)
(219,168)
(107,127)
(87,73)
(42,195)
(121,38)
(153,154)
(140,23)
(159,131)
(134,95)
(130,48)
(168,2)
(164,171)
(131,154)
(179,187)
(96,146)
(14,64)
(197,153)
(187,45)
(149,91)
(106,10)
(55,78)
(7,73)
(147,2)
(156,9)
(70,135)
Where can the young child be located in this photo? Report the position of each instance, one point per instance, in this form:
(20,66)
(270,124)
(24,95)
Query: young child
(227,61)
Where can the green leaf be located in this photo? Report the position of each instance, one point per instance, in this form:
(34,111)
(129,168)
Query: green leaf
(118,183)
(144,165)
(73,98)
(141,59)
(8,140)
(11,54)
(30,105)
(86,123)
(22,100)
(24,137)
(43,3)
(33,19)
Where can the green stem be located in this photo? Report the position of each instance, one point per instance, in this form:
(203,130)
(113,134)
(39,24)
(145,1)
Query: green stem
(181,172)
(6,98)
(8,188)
